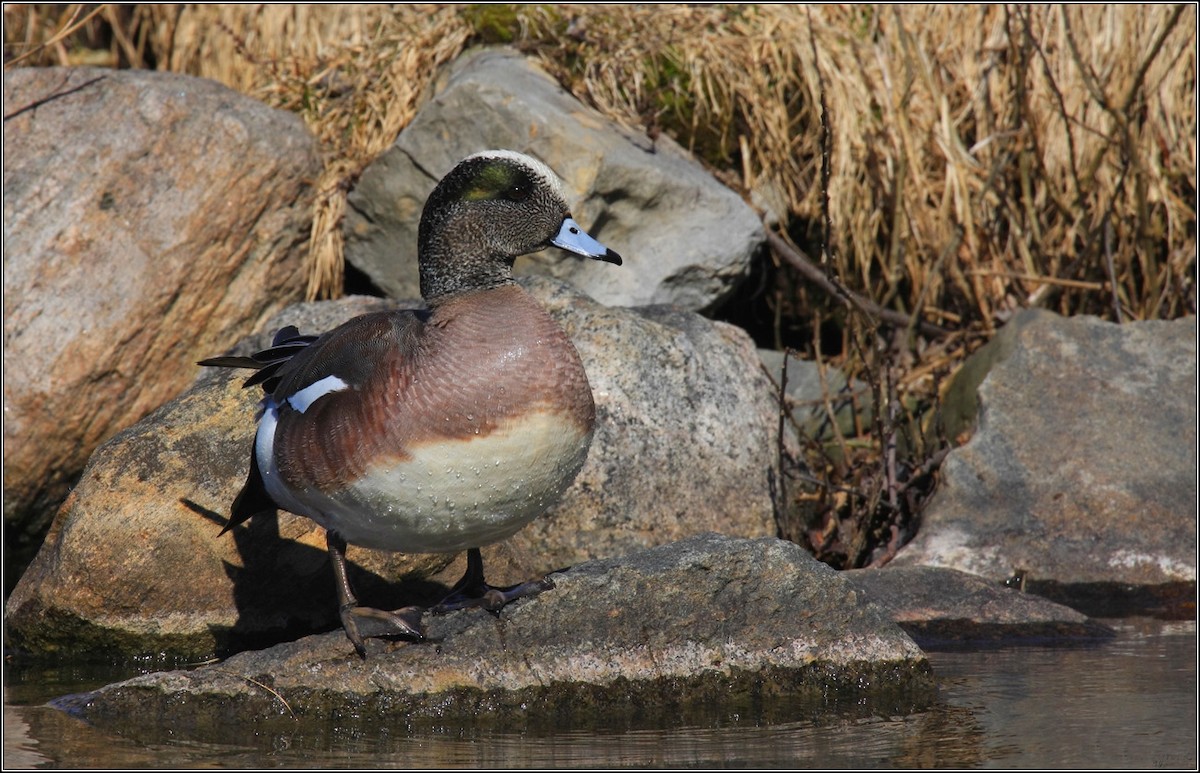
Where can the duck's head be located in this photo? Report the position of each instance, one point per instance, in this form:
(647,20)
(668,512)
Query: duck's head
(491,208)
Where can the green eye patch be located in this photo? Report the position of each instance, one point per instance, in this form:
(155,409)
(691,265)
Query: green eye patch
(495,180)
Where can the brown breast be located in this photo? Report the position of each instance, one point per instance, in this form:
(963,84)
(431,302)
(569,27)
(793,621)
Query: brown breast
(480,361)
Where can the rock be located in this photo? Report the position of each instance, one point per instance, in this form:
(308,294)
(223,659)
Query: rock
(684,444)
(709,619)
(807,391)
(148,218)
(133,563)
(686,433)
(939,606)
(686,239)
(1081,476)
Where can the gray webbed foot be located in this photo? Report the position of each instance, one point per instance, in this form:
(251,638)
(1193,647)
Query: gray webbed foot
(473,591)
(362,623)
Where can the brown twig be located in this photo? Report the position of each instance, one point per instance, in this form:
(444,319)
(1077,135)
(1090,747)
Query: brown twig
(1075,284)
(1112,273)
(53,96)
(257,683)
(889,436)
(928,466)
(827,400)
(781,506)
(826,150)
(809,271)
(1151,55)
(1064,114)
(1090,82)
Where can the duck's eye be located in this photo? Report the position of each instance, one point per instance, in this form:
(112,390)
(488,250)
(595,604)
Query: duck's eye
(517,193)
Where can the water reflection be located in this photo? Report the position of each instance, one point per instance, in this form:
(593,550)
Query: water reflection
(935,738)
(1128,703)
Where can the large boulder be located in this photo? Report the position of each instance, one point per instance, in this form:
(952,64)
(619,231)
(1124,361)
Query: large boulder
(707,621)
(148,218)
(1080,478)
(686,239)
(685,443)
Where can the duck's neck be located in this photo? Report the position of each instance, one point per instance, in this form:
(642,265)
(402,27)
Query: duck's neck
(443,276)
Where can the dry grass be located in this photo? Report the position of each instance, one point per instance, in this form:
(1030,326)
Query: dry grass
(355,73)
(981,159)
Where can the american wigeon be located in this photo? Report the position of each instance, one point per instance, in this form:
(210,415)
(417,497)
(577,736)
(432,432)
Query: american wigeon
(439,430)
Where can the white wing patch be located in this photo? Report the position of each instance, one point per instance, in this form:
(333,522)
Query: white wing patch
(315,391)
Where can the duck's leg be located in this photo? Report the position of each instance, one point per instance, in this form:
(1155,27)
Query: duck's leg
(363,623)
(473,591)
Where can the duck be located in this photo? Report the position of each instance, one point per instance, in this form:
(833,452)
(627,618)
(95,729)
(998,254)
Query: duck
(444,429)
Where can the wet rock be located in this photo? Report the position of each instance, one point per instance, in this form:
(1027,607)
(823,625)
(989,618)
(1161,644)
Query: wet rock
(133,564)
(686,239)
(709,618)
(939,606)
(1080,477)
(148,218)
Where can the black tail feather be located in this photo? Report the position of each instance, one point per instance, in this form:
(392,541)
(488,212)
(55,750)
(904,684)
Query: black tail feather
(231,362)
(252,500)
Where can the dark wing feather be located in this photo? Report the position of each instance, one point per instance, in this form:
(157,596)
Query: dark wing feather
(296,361)
(287,344)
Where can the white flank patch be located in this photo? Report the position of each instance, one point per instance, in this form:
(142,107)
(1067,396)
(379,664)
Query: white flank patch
(264,448)
(315,391)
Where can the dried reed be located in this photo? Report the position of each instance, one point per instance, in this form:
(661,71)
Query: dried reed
(984,158)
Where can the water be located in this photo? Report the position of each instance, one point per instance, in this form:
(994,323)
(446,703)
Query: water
(1126,703)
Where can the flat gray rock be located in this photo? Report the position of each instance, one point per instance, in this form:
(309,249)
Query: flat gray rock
(686,239)
(707,619)
(1081,474)
(939,606)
